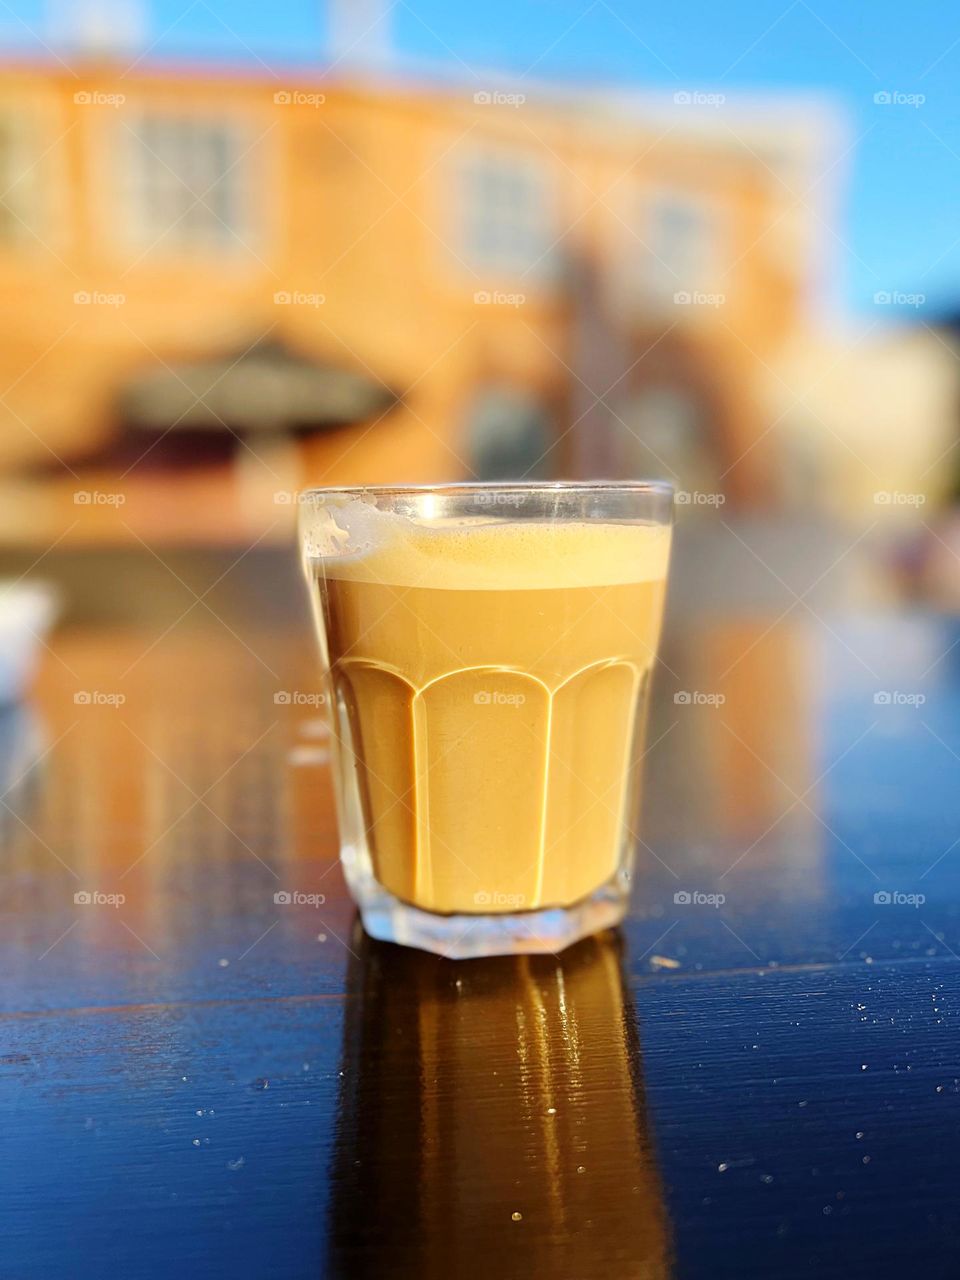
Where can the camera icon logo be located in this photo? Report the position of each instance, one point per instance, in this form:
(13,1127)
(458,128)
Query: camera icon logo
(883,98)
(682,698)
(683,98)
(882,698)
(82,699)
(83,98)
(482,298)
(283,97)
(883,898)
(282,298)
(482,698)
(682,898)
(483,98)
(282,698)
(482,898)
(283,897)
(882,299)
(682,299)
(83,898)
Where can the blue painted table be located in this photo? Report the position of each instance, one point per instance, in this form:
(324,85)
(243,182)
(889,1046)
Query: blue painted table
(757,1077)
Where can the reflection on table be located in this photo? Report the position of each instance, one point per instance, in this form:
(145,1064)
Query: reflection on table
(493,1110)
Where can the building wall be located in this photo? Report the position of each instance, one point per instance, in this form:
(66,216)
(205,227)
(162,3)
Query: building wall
(360,199)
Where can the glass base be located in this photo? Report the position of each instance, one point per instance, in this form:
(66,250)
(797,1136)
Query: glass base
(467,937)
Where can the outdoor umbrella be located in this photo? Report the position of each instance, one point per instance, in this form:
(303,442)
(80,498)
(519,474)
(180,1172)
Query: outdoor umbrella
(265,388)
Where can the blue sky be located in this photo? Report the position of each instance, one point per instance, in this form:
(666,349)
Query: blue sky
(900,216)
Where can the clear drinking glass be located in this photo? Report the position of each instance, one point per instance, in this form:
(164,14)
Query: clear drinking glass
(488,650)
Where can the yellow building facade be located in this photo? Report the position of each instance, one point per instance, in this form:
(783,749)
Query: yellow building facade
(553,286)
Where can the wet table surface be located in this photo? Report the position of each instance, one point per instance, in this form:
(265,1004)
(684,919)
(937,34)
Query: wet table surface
(756,1077)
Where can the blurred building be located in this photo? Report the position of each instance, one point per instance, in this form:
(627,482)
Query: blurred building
(546,283)
(868,420)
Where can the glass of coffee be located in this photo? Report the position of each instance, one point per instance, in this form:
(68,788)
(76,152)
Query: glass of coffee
(488,651)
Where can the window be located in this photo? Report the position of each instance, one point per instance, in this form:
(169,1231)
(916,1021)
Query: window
(665,430)
(18,191)
(680,239)
(509,434)
(189,184)
(507,216)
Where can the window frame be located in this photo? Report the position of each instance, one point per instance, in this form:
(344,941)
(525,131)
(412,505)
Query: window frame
(26,224)
(535,261)
(179,180)
(654,280)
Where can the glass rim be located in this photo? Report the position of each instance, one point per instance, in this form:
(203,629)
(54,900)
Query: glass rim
(663,488)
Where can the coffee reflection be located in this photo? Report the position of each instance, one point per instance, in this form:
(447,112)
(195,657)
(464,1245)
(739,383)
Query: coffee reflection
(492,1119)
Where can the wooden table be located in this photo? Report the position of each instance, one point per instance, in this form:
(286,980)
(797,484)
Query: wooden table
(199,1080)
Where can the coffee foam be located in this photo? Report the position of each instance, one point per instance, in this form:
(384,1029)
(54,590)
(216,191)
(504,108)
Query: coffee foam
(479,554)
